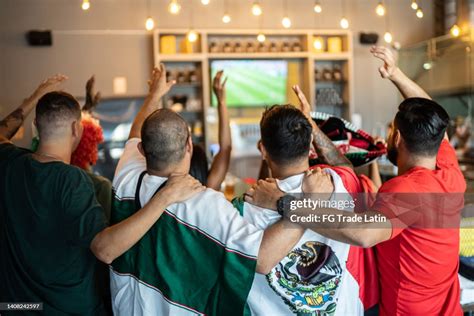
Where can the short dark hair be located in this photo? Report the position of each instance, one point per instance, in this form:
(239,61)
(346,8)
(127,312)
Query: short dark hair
(285,133)
(53,110)
(422,124)
(164,136)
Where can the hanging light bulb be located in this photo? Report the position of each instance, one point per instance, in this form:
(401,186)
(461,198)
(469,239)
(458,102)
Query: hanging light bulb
(85,5)
(388,38)
(419,13)
(286,22)
(261,37)
(256,9)
(414,5)
(380,9)
(317,7)
(174,7)
(455,30)
(149,23)
(428,65)
(344,23)
(192,36)
(205,2)
(226,18)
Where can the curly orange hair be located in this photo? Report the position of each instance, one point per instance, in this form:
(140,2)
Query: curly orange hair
(86,153)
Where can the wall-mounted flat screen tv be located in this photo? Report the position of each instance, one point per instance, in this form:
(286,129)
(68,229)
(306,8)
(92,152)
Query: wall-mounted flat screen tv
(253,83)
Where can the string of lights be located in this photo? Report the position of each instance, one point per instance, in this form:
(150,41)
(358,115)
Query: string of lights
(381,10)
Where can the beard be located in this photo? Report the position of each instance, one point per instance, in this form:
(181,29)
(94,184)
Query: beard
(392,155)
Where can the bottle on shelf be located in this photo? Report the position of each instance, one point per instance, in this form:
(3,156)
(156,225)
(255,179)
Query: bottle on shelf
(228,48)
(297,47)
(214,48)
(337,73)
(327,74)
(273,47)
(251,47)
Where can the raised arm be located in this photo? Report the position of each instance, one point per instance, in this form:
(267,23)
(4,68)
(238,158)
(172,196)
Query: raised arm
(113,241)
(158,88)
(10,124)
(324,147)
(92,98)
(389,70)
(220,164)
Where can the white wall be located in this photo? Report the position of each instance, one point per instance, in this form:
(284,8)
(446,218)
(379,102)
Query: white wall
(22,67)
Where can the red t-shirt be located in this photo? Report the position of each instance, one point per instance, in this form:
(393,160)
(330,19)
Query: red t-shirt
(418,267)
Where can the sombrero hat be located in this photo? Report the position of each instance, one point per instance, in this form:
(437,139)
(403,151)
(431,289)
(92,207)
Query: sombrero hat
(356,144)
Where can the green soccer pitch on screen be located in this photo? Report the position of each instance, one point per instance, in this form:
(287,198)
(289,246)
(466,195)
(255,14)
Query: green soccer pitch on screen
(253,83)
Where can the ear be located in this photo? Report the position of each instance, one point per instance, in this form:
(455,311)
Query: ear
(34,123)
(262,150)
(140,149)
(76,129)
(397,138)
(189,145)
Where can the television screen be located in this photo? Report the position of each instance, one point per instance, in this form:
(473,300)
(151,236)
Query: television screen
(253,82)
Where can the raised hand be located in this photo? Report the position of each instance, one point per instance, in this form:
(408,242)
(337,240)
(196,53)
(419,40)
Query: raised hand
(158,86)
(389,67)
(218,86)
(49,85)
(92,98)
(305,107)
(181,187)
(10,124)
(265,194)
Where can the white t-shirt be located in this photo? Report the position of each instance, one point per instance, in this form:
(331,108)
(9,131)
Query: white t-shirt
(313,277)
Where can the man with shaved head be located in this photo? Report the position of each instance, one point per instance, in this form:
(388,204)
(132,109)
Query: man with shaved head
(164,138)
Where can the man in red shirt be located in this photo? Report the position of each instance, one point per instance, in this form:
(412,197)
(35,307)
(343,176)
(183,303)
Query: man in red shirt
(416,238)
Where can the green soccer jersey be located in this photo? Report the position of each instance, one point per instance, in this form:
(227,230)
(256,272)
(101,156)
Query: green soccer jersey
(48,218)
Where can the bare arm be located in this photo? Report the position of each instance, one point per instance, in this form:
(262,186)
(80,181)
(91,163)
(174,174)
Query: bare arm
(113,241)
(92,98)
(325,148)
(374,174)
(363,234)
(277,242)
(389,70)
(10,124)
(220,164)
(158,88)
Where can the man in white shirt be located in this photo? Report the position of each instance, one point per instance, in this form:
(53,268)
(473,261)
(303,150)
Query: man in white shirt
(312,279)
